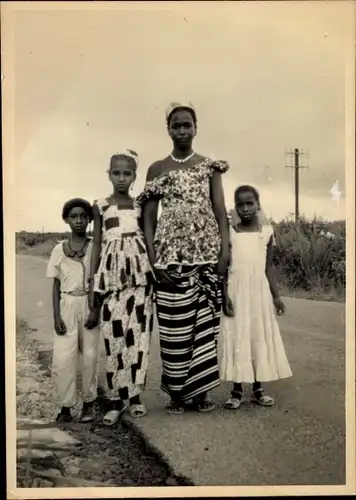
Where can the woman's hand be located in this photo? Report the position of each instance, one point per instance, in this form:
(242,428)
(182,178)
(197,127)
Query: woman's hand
(228,308)
(279,306)
(160,274)
(223,262)
(60,326)
(163,277)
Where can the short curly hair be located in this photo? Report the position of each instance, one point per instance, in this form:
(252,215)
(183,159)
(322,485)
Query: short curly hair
(74,203)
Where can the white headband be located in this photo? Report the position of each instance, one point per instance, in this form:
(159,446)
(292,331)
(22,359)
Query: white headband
(177,105)
(130,154)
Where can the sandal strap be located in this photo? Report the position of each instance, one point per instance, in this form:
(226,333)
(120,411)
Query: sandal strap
(174,407)
(233,403)
(206,404)
(138,408)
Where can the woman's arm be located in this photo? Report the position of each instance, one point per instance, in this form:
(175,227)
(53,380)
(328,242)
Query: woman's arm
(219,209)
(150,214)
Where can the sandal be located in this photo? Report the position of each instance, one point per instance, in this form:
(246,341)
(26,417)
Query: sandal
(174,408)
(263,399)
(233,403)
(204,405)
(88,413)
(137,410)
(113,416)
(64,418)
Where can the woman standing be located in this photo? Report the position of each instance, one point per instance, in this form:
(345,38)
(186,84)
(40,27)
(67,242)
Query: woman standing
(188,247)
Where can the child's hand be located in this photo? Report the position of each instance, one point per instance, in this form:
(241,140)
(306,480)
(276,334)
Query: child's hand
(93,319)
(91,295)
(228,308)
(279,306)
(60,326)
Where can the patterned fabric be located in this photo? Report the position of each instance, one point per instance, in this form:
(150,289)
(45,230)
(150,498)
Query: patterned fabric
(125,279)
(187,231)
(123,260)
(189,321)
(127,322)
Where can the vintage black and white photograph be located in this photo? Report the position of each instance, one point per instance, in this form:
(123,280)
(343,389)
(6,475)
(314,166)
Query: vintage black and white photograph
(178,191)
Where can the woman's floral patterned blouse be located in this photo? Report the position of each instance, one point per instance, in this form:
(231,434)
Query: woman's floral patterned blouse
(187,231)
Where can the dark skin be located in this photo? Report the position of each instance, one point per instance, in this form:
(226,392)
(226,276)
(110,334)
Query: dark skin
(78,221)
(122,174)
(182,130)
(247,206)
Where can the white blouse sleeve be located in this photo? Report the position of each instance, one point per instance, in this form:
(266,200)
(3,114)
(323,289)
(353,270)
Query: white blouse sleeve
(53,266)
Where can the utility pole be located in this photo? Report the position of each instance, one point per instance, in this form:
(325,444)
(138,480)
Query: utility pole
(296,154)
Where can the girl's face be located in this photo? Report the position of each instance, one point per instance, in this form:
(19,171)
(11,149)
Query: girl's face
(181,128)
(122,174)
(78,220)
(246,205)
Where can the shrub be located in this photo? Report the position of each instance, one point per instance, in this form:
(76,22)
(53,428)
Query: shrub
(307,259)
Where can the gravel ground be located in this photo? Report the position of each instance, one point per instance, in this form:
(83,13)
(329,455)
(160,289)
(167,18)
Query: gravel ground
(118,456)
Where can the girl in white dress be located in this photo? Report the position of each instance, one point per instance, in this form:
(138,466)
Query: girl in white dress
(253,350)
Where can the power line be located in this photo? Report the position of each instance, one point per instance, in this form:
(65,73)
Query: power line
(295,155)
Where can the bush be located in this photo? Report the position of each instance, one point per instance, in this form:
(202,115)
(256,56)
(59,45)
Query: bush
(311,255)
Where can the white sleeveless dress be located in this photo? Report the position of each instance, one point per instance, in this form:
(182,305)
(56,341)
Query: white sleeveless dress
(252,344)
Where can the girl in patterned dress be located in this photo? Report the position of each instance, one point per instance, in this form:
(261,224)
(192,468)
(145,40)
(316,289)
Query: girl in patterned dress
(122,278)
(188,247)
(253,349)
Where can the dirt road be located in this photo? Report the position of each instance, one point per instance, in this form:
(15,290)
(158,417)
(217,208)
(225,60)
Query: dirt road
(301,440)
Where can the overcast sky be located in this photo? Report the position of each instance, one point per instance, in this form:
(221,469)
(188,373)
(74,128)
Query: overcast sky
(264,77)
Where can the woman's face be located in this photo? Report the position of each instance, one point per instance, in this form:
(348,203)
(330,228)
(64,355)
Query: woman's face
(181,128)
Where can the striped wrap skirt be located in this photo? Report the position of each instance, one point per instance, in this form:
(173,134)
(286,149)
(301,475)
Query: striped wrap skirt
(189,323)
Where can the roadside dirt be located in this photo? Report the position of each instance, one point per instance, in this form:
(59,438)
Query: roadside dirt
(117,456)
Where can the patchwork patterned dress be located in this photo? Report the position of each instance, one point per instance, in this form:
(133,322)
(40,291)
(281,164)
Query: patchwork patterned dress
(187,244)
(125,279)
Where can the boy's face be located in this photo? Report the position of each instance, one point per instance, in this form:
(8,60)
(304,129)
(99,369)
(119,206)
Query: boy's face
(246,205)
(122,174)
(78,220)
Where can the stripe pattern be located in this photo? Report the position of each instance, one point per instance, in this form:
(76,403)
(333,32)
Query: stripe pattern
(189,323)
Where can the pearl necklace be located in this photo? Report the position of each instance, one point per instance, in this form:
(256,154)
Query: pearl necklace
(182,160)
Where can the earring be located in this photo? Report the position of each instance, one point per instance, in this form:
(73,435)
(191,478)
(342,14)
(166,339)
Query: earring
(132,186)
